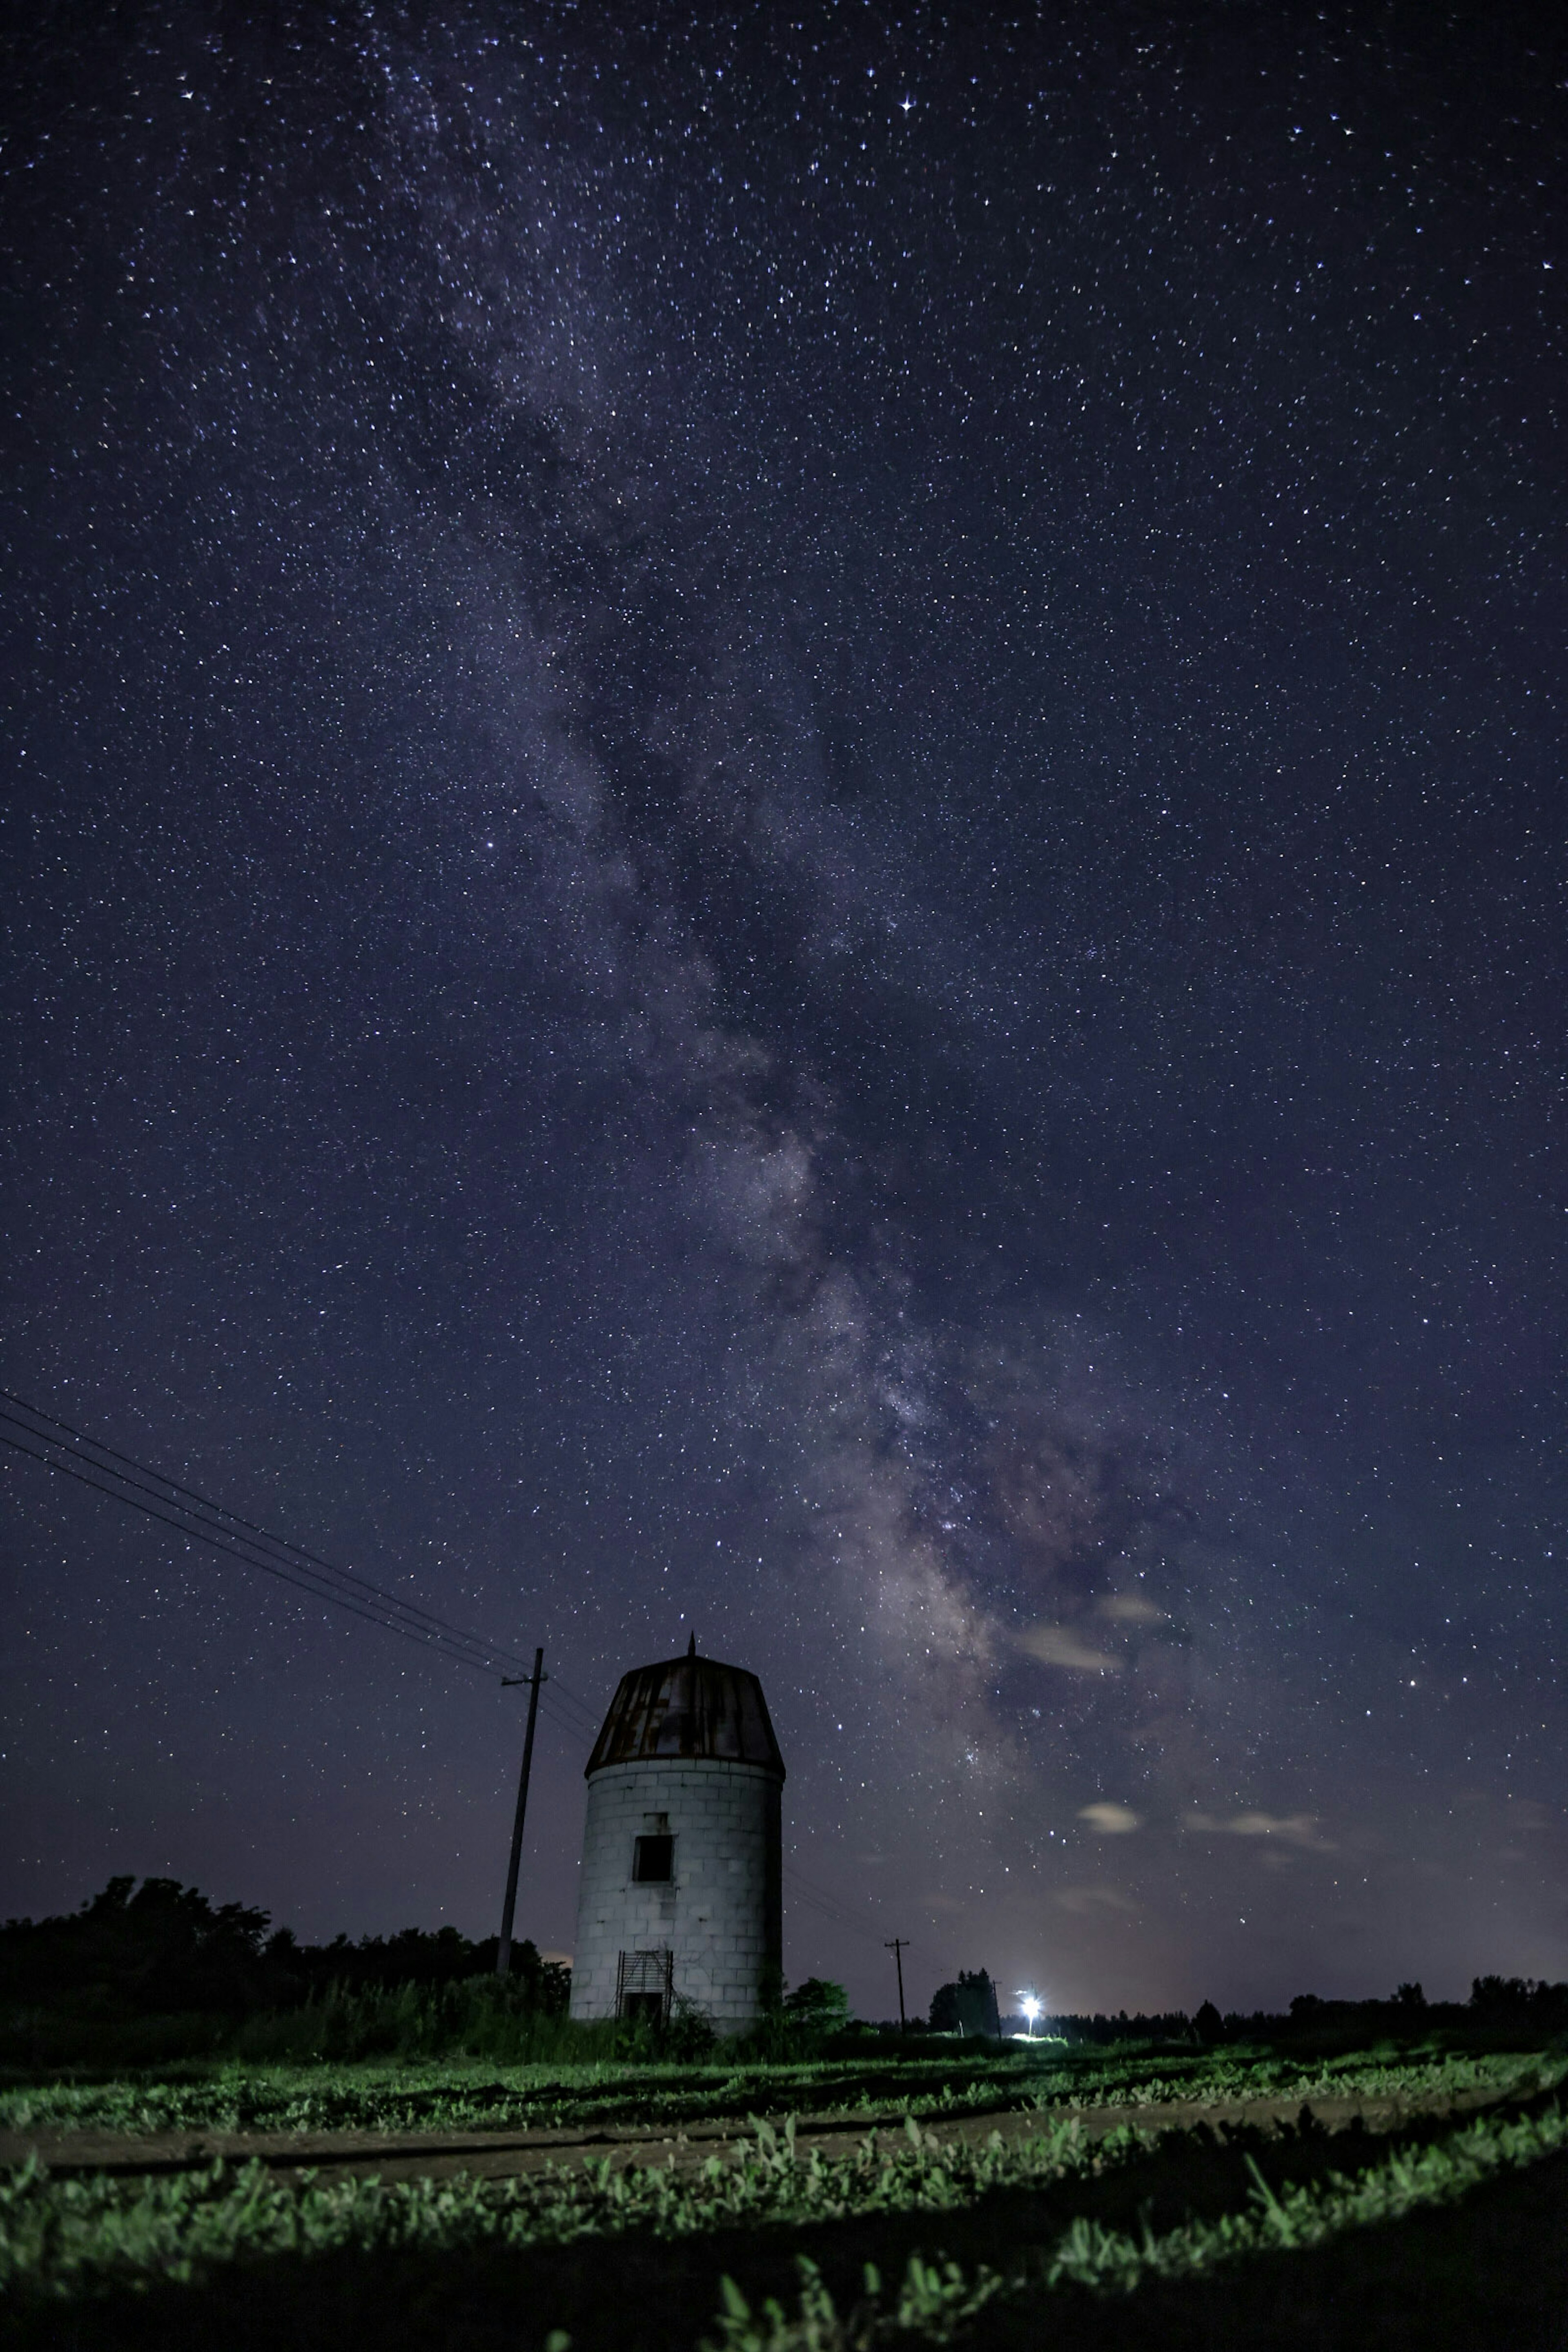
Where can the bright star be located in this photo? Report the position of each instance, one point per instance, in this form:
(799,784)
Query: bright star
(907,105)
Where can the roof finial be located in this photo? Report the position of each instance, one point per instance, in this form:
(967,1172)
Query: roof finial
(691,1647)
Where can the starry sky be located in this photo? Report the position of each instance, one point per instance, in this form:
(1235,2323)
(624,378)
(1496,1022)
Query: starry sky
(784,859)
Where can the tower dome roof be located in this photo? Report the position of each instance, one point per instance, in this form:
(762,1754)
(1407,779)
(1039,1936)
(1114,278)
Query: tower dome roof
(688,1709)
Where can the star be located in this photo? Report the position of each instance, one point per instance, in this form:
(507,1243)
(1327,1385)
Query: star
(1004,692)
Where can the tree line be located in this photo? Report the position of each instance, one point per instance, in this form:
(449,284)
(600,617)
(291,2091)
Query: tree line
(161,1948)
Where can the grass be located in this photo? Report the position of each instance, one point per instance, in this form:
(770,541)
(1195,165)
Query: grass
(774,2248)
(65,2236)
(936,2299)
(60,2236)
(473,2096)
(478,2017)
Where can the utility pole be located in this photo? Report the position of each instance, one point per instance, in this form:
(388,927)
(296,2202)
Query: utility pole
(508,1908)
(898,1946)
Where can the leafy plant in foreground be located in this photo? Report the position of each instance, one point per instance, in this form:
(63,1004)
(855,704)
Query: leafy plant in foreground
(933,2301)
(435,2097)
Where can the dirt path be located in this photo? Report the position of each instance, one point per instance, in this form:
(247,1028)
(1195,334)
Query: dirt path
(502,2155)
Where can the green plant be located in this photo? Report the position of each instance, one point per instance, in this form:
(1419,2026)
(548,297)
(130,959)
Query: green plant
(935,2301)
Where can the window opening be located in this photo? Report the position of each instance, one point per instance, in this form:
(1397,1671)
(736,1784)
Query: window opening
(653,1859)
(645,1986)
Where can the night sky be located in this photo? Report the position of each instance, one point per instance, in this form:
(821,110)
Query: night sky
(785,857)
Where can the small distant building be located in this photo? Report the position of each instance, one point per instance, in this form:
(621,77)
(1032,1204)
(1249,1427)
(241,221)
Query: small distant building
(681,1903)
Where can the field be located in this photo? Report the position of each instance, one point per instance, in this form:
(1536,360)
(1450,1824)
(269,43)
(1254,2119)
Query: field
(987,2195)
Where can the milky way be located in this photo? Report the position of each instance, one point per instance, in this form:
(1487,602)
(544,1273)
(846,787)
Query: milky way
(785,860)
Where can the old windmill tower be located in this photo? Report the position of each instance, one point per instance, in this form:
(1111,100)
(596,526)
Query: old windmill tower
(680,1904)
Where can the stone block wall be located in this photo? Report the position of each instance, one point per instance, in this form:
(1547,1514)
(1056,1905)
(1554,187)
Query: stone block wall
(721,1916)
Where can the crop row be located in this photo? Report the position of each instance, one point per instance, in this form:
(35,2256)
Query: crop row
(61,2235)
(451,2097)
(64,2233)
(936,2299)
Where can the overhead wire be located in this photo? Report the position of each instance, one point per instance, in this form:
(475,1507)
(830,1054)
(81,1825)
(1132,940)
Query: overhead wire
(565,1690)
(565,1723)
(193,1500)
(204,1535)
(123,1479)
(828,1905)
(182,1509)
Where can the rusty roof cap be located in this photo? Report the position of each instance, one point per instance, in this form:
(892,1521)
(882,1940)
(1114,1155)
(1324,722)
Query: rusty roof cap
(688,1709)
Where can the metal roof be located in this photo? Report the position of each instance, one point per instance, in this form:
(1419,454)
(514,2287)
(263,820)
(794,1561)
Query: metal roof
(688,1708)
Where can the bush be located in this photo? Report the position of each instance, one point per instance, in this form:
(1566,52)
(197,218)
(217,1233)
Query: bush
(478,2017)
(162,1947)
(817,2005)
(144,1974)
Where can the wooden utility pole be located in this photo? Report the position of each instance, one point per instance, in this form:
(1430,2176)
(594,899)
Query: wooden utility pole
(508,1908)
(898,1946)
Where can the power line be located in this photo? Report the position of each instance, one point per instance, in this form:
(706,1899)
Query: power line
(579,1706)
(589,1715)
(200,1535)
(565,1723)
(182,1509)
(827,1904)
(824,1911)
(189,1497)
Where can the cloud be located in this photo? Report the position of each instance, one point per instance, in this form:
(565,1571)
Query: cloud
(1291,1829)
(1081,1900)
(1111,1821)
(1059,1645)
(1131,1609)
(1524,1814)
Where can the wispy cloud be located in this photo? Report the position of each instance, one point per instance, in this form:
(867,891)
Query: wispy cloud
(1291,1829)
(1083,1900)
(1111,1821)
(1059,1645)
(1524,1814)
(1131,1609)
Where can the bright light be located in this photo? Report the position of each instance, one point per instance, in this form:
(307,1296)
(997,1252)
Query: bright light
(1032,2007)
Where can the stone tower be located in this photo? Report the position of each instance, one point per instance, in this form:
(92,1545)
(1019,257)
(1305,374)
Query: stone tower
(680,1905)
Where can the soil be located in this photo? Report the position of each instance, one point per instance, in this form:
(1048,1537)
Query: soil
(505,2154)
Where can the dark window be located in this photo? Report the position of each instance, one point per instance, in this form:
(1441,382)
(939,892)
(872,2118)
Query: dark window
(653,1857)
(643,2007)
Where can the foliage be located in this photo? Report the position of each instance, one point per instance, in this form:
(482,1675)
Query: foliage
(478,2017)
(689,2035)
(969,2006)
(159,1971)
(812,2016)
(162,1972)
(90,2231)
(1523,1998)
(819,2003)
(615,2085)
(99,2233)
(164,1945)
(162,1948)
(936,2299)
